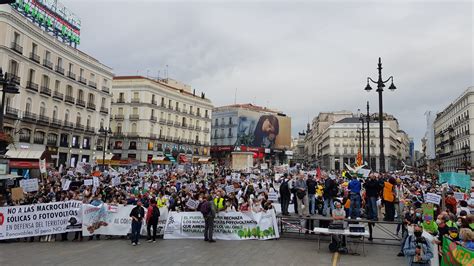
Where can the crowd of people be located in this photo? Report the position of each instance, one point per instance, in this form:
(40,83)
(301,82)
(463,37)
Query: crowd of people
(388,196)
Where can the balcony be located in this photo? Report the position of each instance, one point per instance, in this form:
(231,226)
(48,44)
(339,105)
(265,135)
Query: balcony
(90,129)
(17,48)
(48,64)
(153,118)
(28,116)
(11,112)
(135,100)
(82,80)
(45,90)
(119,117)
(68,124)
(56,123)
(206,116)
(79,127)
(69,99)
(230,135)
(184,111)
(92,84)
(198,128)
(81,103)
(120,100)
(71,75)
(133,117)
(104,110)
(169,138)
(60,70)
(58,95)
(162,121)
(30,85)
(14,78)
(43,120)
(177,124)
(206,130)
(169,122)
(170,107)
(91,106)
(105,89)
(35,57)
(177,109)
(184,125)
(25,138)
(198,114)
(161,137)
(153,102)
(191,127)
(132,135)
(191,112)
(162,105)
(52,142)
(197,142)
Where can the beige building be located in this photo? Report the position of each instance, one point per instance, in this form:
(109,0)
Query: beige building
(452,133)
(159,118)
(338,142)
(64,93)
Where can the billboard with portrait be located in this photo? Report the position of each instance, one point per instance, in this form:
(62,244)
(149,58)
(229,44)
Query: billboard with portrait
(264,130)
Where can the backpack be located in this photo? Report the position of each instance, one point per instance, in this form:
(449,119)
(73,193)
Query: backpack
(205,208)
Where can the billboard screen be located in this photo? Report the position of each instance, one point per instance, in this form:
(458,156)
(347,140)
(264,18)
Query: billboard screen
(264,130)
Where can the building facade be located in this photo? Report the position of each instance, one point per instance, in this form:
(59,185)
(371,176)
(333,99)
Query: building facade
(159,118)
(338,144)
(64,93)
(234,127)
(452,133)
(298,148)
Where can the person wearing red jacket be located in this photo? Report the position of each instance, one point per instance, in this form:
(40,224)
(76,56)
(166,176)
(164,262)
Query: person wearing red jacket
(152,216)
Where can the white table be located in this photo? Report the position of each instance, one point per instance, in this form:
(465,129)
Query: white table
(326,231)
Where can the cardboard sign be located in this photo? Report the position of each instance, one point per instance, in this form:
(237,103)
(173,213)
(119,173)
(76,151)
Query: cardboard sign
(432,198)
(459,196)
(66,184)
(229,189)
(192,204)
(428,211)
(116,181)
(273,196)
(95,181)
(29,185)
(42,166)
(192,187)
(17,194)
(87,182)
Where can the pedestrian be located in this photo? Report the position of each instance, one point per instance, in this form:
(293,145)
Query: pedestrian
(302,195)
(137,215)
(354,195)
(329,193)
(152,216)
(208,211)
(312,185)
(389,199)
(285,195)
(417,248)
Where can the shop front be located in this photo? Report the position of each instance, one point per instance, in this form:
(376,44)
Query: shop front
(24,162)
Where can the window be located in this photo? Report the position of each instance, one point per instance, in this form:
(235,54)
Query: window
(80,95)
(45,81)
(92,77)
(230,120)
(16,38)
(120,110)
(69,90)
(55,112)
(135,110)
(28,106)
(217,122)
(13,67)
(119,128)
(91,98)
(31,75)
(71,66)
(47,56)
(66,116)
(230,132)
(78,119)
(60,62)
(57,84)
(121,97)
(136,95)
(103,102)
(42,109)
(162,101)
(169,103)
(81,72)
(134,127)
(34,48)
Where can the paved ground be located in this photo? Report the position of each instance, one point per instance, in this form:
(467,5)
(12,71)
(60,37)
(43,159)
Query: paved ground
(189,252)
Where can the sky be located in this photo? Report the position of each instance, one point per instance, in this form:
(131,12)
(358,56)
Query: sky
(300,57)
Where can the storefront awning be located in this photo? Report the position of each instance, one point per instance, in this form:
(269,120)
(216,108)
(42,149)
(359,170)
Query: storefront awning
(24,154)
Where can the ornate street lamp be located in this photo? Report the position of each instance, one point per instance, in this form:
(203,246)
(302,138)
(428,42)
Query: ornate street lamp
(105,132)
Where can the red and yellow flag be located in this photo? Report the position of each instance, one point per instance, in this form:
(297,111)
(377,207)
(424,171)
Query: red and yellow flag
(359,158)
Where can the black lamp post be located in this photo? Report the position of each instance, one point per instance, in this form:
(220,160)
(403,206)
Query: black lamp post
(368,137)
(466,150)
(362,120)
(380,85)
(8,86)
(105,132)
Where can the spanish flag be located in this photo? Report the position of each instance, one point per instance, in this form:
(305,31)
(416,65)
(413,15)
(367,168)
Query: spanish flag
(359,158)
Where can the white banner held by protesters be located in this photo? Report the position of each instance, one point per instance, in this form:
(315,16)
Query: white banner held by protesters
(29,185)
(432,198)
(40,219)
(228,226)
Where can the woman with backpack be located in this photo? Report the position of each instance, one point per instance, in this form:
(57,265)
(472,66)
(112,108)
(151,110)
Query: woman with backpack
(152,216)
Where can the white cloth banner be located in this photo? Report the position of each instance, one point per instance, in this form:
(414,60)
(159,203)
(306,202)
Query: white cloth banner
(40,219)
(227,226)
(29,185)
(114,220)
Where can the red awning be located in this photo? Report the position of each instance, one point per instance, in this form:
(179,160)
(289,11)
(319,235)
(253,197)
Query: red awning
(24,164)
(183,158)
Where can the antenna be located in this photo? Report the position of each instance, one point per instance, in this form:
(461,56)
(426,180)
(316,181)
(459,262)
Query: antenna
(235,96)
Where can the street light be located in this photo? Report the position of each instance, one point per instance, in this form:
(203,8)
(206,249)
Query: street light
(380,85)
(105,132)
(466,150)
(362,120)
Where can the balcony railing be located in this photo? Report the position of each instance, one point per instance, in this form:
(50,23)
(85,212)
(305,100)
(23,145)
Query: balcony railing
(80,102)
(11,112)
(91,106)
(163,105)
(29,116)
(71,75)
(13,77)
(135,100)
(169,122)
(119,117)
(60,70)
(64,144)
(134,117)
(69,99)
(177,109)
(79,126)
(206,130)
(162,121)
(25,138)
(56,123)
(68,124)
(92,84)
(58,95)
(35,57)
(177,124)
(48,64)
(45,90)
(153,118)
(17,48)
(104,110)
(30,85)
(132,135)
(198,128)
(153,102)
(90,129)
(184,125)
(42,119)
(191,127)
(52,142)
(38,140)
(82,80)
(120,100)
(105,89)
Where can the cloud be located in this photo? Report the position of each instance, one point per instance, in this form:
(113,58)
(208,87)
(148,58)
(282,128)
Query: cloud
(299,57)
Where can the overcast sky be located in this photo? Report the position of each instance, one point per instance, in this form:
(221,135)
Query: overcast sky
(301,58)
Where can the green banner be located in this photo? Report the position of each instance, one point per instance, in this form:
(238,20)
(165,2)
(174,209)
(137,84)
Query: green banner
(455,254)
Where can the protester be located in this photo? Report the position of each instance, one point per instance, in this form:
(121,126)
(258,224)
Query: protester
(208,210)
(302,195)
(152,216)
(285,194)
(417,249)
(137,215)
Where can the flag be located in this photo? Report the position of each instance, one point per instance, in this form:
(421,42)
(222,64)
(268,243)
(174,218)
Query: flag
(318,173)
(359,158)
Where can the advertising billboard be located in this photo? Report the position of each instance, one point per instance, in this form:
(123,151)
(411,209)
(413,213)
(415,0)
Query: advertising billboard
(264,130)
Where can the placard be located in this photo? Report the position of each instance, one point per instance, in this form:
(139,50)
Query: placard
(459,196)
(29,185)
(229,189)
(116,181)
(192,204)
(17,193)
(95,181)
(42,166)
(432,198)
(273,196)
(87,182)
(66,184)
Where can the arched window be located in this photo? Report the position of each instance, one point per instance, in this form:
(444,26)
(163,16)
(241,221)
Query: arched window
(102,123)
(88,122)
(119,128)
(55,112)
(42,109)
(28,105)
(66,116)
(78,119)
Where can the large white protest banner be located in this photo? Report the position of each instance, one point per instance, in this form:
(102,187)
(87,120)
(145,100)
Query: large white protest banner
(227,226)
(432,198)
(40,219)
(114,220)
(29,185)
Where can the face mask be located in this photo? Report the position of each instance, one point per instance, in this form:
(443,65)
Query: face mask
(418,233)
(418,214)
(438,221)
(459,224)
(453,235)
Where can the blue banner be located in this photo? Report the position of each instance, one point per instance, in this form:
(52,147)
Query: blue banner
(455,179)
